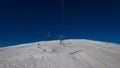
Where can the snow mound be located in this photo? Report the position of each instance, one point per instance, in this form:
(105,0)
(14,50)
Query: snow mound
(74,53)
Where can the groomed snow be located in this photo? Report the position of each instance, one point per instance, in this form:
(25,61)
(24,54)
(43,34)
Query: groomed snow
(74,53)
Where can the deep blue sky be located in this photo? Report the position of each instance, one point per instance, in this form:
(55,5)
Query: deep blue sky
(24,21)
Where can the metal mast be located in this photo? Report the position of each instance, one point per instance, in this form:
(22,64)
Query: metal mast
(62,24)
(62,31)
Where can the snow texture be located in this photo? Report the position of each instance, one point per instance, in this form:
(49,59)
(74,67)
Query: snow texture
(71,54)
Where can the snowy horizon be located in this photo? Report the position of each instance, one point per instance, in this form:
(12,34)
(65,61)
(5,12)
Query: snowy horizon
(74,53)
(54,40)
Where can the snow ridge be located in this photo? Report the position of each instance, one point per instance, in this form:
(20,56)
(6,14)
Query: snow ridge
(74,53)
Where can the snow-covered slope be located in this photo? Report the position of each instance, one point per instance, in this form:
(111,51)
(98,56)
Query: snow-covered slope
(71,54)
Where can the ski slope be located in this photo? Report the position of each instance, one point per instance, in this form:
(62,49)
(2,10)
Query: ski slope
(74,53)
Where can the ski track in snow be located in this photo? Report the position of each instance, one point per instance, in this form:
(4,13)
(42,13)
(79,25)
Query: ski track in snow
(71,54)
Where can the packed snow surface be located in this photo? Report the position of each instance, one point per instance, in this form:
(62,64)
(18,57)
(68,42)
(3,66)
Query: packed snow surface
(70,54)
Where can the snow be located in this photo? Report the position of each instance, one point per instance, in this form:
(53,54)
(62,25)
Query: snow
(74,53)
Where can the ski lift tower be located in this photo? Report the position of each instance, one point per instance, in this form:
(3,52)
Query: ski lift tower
(62,24)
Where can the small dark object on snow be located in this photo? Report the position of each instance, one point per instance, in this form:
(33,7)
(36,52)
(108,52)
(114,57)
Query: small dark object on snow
(61,39)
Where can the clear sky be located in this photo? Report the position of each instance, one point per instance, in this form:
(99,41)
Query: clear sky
(25,21)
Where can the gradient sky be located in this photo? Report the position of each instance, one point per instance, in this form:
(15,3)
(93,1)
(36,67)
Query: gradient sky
(25,21)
